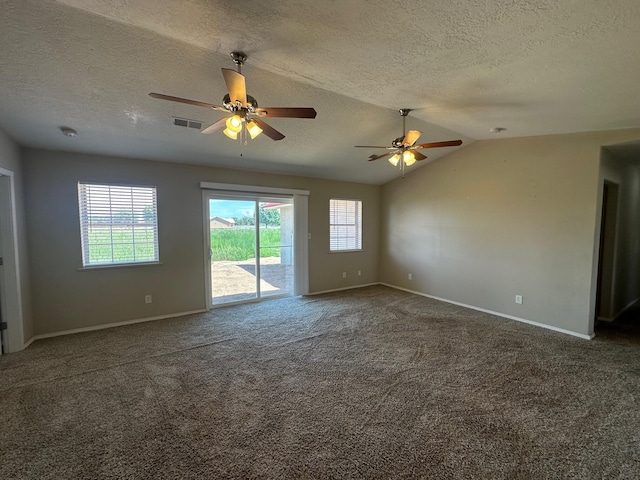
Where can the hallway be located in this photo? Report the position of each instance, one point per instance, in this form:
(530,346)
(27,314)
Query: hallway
(624,330)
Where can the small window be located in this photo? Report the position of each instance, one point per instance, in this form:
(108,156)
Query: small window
(119,224)
(345,225)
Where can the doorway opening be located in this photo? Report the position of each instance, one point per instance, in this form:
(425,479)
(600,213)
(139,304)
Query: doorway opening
(606,263)
(251,240)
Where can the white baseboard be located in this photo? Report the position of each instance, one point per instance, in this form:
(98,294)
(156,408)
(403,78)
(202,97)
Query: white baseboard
(344,288)
(498,314)
(28,342)
(181,314)
(108,325)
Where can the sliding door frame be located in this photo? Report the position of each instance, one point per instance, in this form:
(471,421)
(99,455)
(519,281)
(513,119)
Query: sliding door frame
(211,195)
(301,230)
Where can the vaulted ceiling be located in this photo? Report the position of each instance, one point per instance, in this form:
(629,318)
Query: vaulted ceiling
(533,67)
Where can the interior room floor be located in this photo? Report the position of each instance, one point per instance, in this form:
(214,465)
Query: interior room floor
(367,383)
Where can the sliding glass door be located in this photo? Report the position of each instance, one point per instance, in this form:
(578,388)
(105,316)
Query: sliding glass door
(276,247)
(251,247)
(233,250)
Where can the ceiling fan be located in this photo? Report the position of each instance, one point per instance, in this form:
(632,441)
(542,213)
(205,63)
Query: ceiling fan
(246,117)
(404,150)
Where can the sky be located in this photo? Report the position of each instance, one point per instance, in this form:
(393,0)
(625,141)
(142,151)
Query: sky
(231,208)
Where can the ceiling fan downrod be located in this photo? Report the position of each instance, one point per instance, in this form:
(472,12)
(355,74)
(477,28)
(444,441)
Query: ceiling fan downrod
(404,112)
(238,58)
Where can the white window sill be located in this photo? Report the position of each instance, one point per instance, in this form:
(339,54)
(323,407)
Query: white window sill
(120,265)
(347,251)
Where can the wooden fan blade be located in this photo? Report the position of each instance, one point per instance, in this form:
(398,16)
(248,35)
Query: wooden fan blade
(411,137)
(268,130)
(160,96)
(286,112)
(450,143)
(214,127)
(372,146)
(376,157)
(236,86)
(419,156)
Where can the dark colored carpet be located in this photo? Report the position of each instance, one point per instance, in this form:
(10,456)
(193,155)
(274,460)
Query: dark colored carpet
(369,383)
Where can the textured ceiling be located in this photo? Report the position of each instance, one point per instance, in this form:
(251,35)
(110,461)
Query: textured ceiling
(533,67)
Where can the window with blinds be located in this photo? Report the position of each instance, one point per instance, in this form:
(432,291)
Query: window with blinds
(345,225)
(119,224)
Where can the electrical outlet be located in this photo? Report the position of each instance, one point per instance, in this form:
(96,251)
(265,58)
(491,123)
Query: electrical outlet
(148,299)
(344,274)
(410,276)
(519,299)
(359,272)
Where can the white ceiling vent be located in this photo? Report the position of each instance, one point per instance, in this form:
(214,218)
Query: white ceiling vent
(185,122)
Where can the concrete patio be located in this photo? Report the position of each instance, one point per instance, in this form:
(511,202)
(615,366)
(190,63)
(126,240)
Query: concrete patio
(234,281)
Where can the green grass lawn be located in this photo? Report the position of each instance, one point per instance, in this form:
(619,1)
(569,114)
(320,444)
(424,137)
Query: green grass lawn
(121,244)
(126,244)
(240,244)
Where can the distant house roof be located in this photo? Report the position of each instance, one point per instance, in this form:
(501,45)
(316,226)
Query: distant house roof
(224,221)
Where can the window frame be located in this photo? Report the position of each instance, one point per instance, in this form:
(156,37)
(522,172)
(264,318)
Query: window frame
(84,225)
(358,224)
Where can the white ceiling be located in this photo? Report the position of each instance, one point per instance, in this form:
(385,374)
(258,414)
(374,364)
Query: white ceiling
(535,67)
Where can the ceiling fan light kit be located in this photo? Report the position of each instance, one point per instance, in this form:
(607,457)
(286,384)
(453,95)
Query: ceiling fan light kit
(234,123)
(408,157)
(244,121)
(404,149)
(230,133)
(253,129)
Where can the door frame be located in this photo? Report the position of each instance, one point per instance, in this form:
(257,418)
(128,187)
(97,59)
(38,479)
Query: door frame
(301,229)
(10,287)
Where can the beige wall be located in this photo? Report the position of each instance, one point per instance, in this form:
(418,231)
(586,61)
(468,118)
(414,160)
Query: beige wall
(10,158)
(492,220)
(66,298)
(625,276)
(500,218)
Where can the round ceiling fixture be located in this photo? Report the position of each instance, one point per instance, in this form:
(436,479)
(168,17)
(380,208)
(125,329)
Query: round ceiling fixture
(69,132)
(497,130)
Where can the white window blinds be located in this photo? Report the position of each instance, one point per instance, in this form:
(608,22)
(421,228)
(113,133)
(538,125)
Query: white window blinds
(345,225)
(119,224)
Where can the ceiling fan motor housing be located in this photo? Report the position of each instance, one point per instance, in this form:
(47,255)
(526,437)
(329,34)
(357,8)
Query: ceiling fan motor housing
(398,142)
(252,104)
